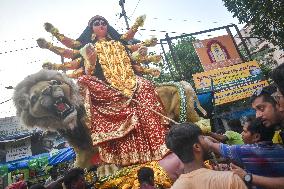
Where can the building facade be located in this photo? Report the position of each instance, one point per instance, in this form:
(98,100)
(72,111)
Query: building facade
(256,44)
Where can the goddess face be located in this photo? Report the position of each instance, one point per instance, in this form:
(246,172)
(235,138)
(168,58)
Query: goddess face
(100,28)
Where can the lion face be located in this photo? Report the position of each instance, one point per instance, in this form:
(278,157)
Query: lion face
(48,100)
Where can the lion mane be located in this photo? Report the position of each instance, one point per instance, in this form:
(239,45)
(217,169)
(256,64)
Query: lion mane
(22,99)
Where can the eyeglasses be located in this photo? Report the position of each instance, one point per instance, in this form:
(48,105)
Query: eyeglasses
(99,22)
(276,96)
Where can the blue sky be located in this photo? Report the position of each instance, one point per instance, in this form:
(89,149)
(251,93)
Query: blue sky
(22,23)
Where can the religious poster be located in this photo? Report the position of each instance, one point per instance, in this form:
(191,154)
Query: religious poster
(217,52)
(231,83)
(18,149)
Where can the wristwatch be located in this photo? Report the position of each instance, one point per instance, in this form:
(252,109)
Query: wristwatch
(248,178)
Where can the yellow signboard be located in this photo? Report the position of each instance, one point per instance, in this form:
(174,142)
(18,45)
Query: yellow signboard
(237,92)
(231,83)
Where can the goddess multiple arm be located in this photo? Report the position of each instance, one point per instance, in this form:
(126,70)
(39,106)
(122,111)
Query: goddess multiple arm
(80,55)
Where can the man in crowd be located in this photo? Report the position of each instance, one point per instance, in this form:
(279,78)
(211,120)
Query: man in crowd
(249,133)
(187,142)
(267,110)
(74,179)
(262,158)
(232,136)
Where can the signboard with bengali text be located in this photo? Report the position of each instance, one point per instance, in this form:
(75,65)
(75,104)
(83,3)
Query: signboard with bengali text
(231,83)
(18,149)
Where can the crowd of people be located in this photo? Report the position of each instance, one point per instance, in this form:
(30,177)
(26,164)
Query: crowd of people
(256,155)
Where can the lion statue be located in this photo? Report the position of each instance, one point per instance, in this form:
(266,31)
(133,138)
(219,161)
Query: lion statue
(172,94)
(50,100)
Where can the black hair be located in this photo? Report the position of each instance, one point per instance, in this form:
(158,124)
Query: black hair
(266,133)
(37,186)
(86,36)
(181,139)
(278,77)
(56,184)
(247,119)
(145,175)
(235,125)
(266,93)
(71,176)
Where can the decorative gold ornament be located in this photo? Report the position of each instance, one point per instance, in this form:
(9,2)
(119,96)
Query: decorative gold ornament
(204,125)
(116,66)
(93,37)
(126,178)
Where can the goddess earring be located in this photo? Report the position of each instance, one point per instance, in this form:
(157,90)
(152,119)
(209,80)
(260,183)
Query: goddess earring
(108,36)
(93,37)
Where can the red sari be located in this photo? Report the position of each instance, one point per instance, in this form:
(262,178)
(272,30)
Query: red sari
(126,132)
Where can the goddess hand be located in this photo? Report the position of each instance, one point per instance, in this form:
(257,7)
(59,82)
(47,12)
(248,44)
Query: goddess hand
(50,28)
(155,72)
(42,43)
(50,66)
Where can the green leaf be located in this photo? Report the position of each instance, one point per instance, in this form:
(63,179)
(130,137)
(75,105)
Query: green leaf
(38,163)
(3,170)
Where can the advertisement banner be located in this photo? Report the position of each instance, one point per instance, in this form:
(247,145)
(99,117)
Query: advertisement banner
(217,52)
(231,83)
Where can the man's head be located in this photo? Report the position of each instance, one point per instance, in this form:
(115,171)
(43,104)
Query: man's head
(235,125)
(74,179)
(255,131)
(187,142)
(278,78)
(146,175)
(265,106)
(247,136)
